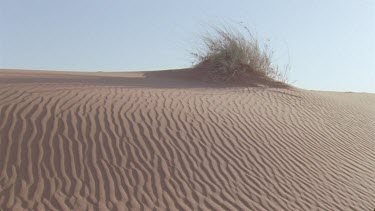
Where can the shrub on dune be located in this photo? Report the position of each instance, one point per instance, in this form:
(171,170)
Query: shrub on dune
(230,55)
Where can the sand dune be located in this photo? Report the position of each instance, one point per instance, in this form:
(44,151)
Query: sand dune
(166,141)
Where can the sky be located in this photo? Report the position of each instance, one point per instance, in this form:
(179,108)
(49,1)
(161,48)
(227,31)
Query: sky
(329,44)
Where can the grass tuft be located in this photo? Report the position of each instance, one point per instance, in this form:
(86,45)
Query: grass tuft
(231,55)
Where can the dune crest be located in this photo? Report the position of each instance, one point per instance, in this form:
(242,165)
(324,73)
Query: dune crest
(163,140)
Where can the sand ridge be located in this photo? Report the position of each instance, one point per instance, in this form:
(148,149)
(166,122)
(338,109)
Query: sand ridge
(164,141)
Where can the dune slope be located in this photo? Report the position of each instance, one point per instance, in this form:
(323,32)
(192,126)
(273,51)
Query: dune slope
(158,141)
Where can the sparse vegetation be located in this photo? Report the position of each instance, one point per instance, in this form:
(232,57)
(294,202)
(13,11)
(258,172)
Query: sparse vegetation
(231,55)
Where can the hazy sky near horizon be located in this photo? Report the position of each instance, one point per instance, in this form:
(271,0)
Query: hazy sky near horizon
(330,45)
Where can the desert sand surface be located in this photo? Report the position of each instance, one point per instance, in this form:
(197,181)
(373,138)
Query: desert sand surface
(166,140)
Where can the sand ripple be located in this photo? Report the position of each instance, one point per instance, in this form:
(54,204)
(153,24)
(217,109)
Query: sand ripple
(93,146)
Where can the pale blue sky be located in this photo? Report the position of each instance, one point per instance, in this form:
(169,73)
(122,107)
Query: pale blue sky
(331,42)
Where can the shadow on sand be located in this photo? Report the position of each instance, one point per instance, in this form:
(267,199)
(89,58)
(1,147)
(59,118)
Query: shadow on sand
(179,78)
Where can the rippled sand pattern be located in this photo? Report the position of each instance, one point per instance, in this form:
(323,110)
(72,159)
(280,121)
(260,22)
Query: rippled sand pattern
(70,142)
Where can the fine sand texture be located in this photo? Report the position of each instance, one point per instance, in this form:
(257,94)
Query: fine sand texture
(166,140)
